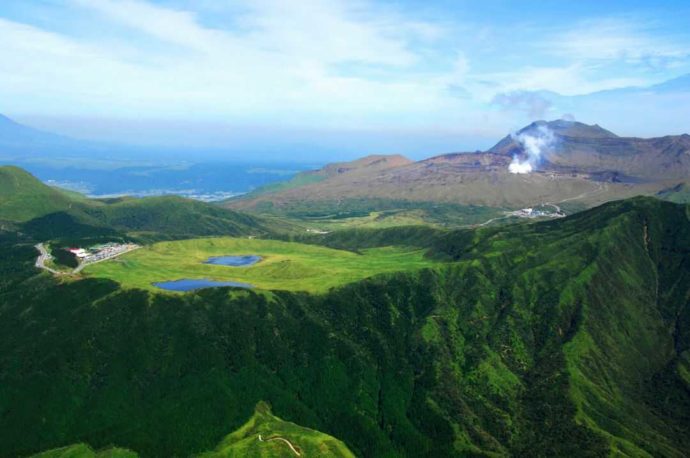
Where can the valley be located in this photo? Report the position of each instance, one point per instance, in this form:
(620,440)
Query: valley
(283,266)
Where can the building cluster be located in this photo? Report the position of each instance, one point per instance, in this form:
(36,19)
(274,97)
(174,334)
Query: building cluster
(100,252)
(534,213)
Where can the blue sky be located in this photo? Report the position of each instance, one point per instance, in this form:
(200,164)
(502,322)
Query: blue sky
(342,76)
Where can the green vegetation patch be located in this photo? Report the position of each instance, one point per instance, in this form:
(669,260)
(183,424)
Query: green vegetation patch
(299,180)
(23,197)
(284,265)
(351,213)
(263,436)
(84,451)
(266,435)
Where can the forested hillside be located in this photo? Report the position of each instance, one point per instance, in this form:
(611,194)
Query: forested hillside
(263,436)
(568,338)
(47,213)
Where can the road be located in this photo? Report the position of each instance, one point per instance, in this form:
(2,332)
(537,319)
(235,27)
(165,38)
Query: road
(601,187)
(43,257)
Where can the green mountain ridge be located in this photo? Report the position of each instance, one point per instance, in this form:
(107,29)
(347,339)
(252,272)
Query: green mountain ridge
(562,338)
(263,436)
(23,197)
(48,212)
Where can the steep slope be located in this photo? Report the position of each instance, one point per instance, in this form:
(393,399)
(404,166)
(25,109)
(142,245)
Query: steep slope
(565,338)
(579,148)
(266,435)
(363,166)
(617,299)
(580,164)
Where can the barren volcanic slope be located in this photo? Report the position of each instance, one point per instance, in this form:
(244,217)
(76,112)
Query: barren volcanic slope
(576,163)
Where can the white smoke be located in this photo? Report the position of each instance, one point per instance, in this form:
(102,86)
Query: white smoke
(535,144)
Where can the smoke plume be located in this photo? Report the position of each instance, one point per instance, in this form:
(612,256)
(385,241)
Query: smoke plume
(535,143)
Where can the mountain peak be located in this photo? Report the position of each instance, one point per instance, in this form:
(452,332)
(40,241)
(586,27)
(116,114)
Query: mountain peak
(567,128)
(373,161)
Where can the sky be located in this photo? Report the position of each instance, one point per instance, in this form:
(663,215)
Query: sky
(341,77)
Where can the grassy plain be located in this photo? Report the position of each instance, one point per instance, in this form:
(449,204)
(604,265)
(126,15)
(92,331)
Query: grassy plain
(284,265)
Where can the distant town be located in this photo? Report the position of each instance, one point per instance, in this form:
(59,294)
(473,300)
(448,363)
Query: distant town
(535,213)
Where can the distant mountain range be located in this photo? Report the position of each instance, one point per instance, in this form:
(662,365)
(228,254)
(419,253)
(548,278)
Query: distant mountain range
(23,141)
(576,162)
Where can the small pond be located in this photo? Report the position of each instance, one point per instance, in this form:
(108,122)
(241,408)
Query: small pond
(233,261)
(188,284)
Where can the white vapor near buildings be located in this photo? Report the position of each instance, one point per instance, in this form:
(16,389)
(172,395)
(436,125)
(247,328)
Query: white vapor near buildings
(535,143)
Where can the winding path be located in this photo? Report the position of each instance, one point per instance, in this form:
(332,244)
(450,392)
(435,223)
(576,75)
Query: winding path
(277,438)
(601,187)
(43,257)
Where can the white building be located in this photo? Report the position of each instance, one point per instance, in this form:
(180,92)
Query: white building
(79,252)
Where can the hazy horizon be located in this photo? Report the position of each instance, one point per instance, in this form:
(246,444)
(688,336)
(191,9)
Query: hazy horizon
(335,78)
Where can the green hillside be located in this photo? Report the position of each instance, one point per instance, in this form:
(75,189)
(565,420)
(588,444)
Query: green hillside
(23,197)
(263,436)
(563,338)
(173,216)
(266,435)
(84,451)
(49,213)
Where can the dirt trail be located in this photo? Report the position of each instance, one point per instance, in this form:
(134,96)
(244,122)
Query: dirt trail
(600,187)
(277,438)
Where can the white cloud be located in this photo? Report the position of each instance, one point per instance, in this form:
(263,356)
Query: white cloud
(616,39)
(313,62)
(278,63)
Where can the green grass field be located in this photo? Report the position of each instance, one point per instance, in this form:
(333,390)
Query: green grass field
(284,265)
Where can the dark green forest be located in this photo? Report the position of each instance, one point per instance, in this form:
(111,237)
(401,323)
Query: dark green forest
(561,338)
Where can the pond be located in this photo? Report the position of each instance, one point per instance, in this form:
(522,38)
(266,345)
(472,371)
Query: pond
(233,261)
(188,284)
